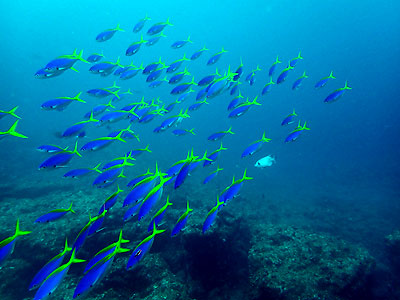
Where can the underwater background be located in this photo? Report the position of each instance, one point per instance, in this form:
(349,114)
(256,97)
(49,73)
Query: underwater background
(321,223)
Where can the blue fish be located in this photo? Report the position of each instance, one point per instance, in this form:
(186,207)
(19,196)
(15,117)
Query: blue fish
(107,34)
(43,74)
(157,218)
(232,190)
(335,95)
(59,159)
(78,127)
(180,132)
(81,172)
(239,71)
(104,68)
(49,267)
(267,87)
(155,74)
(108,176)
(273,66)
(83,234)
(141,249)
(51,148)
(235,88)
(152,67)
(212,214)
(294,61)
(243,108)
(174,120)
(154,40)
(322,82)
(52,281)
(157,83)
(158,27)
(132,211)
(95,57)
(183,96)
(61,103)
(140,24)
(152,197)
(212,175)
(103,141)
(299,81)
(285,72)
(176,64)
(110,201)
(215,58)
(219,135)
(135,47)
(208,79)
(54,215)
(181,223)
(139,178)
(7,245)
(235,102)
(137,152)
(178,77)
(140,190)
(197,105)
(250,78)
(289,119)
(296,133)
(256,146)
(212,158)
(97,268)
(180,44)
(197,54)
(64,62)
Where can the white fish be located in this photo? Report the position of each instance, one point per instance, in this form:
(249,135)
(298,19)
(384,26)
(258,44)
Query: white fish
(265,162)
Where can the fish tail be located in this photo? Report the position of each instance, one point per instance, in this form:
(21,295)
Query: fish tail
(12,112)
(79,99)
(19,232)
(76,149)
(119,28)
(12,131)
(70,209)
(80,57)
(331,75)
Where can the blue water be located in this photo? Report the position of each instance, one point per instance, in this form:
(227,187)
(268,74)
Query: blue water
(349,156)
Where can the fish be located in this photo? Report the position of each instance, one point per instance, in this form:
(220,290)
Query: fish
(212,175)
(60,159)
(232,190)
(239,71)
(135,47)
(10,112)
(273,66)
(83,234)
(289,119)
(212,214)
(140,24)
(242,108)
(250,78)
(110,201)
(7,245)
(49,267)
(44,74)
(54,215)
(95,57)
(52,281)
(181,223)
(152,67)
(178,76)
(255,146)
(264,162)
(299,81)
(99,266)
(208,79)
(108,34)
(235,102)
(64,62)
(197,105)
(12,131)
(141,188)
(175,65)
(142,248)
(137,152)
(180,132)
(51,148)
(296,133)
(132,211)
(174,120)
(104,68)
(216,57)
(78,127)
(154,40)
(61,103)
(158,27)
(284,74)
(336,94)
(152,197)
(198,53)
(323,81)
(212,158)
(219,135)
(294,61)
(267,87)
(101,142)
(75,173)
(159,215)
(180,44)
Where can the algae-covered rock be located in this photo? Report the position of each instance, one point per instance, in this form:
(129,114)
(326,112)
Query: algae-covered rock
(290,263)
(393,245)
